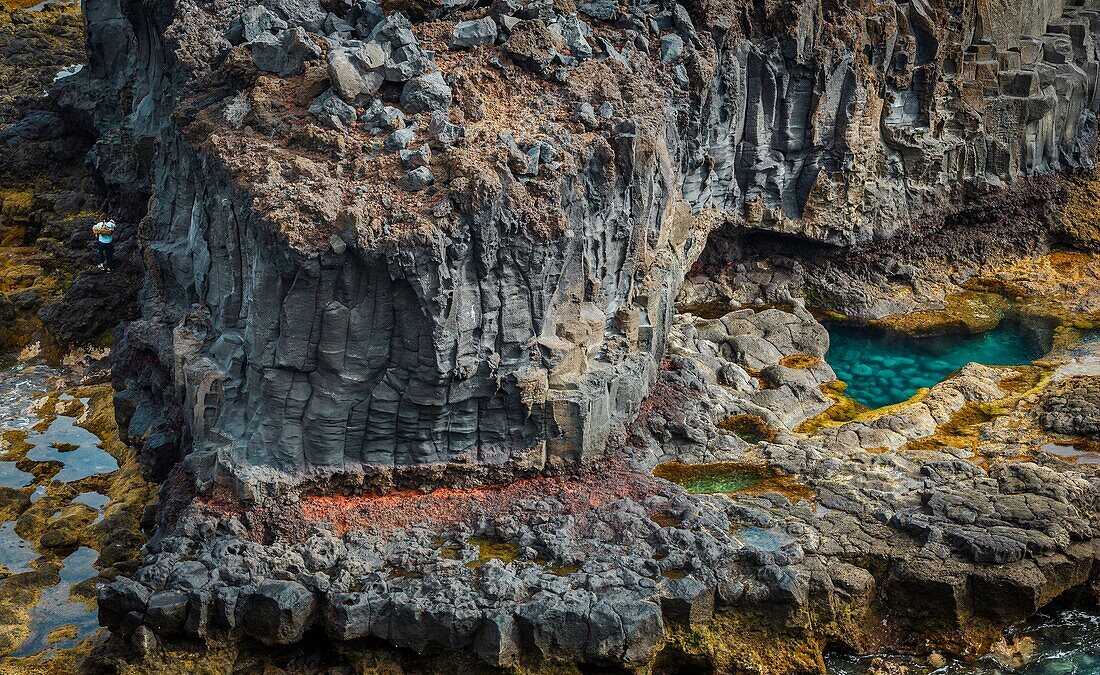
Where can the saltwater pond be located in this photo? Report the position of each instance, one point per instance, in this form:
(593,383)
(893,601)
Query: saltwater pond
(58,620)
(885,367)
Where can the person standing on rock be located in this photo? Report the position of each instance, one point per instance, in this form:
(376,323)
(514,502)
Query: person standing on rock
(104,231)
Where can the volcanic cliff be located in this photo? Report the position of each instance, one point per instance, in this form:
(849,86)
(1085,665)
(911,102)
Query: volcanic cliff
(438,246)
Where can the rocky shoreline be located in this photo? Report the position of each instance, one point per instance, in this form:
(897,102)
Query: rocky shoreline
(455,315)
(920,528)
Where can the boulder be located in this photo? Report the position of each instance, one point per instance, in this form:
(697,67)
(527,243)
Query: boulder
(604,10)
(285,54)
(575,33)
(398,140)
(331,111)
(348,616)
(334,26)
(473,33)
(497,640)
(584,113)
(252,23)
(365,15)
(166,612)
(353,73)
(411,159)
(417,179)
(672,46)
(380,118)
(119,598)
(7,308)
(306,14)
(442,131)
(426,93)
(524,10)
(278,612)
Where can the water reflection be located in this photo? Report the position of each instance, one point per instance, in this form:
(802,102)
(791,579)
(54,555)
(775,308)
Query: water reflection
(57,609)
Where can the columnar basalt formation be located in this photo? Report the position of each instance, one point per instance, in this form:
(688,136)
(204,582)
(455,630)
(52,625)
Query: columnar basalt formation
(371,245)
(420,244)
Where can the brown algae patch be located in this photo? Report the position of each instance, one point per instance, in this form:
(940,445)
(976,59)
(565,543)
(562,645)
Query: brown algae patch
(799,361)
(967,311)
(750,428)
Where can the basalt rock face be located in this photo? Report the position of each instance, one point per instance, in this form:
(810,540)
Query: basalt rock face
(387,246)
(367,250)
(304,347)
(857,121)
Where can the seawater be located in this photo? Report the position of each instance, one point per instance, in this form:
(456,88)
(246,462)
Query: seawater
(1064,642)
(885,367)
(80,455)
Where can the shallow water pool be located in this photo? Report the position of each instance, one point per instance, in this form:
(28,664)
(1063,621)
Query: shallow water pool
(56,608)
(1063,642)
(712,478)
(885,367)
(79,455)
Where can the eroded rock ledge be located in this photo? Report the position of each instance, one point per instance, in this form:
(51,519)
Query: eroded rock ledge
(384,238)
(430,246)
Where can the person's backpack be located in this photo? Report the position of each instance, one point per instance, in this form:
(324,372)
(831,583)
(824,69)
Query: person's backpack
(106,227)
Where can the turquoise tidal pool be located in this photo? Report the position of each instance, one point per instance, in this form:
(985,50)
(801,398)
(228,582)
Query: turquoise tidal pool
(885,367)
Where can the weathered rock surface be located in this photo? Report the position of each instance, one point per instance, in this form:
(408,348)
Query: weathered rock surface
(888,541)
(325,311)
(1073,407)
(520,338)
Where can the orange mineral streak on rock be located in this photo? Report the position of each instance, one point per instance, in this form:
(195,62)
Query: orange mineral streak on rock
(446,506)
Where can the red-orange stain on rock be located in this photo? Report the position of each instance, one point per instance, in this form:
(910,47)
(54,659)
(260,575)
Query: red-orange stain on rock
(401,509)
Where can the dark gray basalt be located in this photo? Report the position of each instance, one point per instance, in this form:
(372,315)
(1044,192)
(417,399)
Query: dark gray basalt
(495,346)
(1073,407)
(504,308)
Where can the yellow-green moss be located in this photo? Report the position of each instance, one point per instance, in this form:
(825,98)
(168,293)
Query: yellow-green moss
(750,428)
(844,409)
(799,361)
(967,311)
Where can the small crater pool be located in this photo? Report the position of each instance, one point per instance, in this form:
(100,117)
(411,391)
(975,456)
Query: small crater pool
(712,478)
(884,367)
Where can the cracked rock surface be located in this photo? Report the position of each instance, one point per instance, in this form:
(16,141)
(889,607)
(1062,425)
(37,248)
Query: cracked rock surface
(409,361)
(323,307)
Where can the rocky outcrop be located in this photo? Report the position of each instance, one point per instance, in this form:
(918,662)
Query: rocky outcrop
(858,122)
(440,246)
(500,304)
(1072,407)
(49,292)
(884,532)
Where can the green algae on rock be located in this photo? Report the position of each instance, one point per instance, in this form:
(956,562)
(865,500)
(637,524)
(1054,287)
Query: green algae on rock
(711,478)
